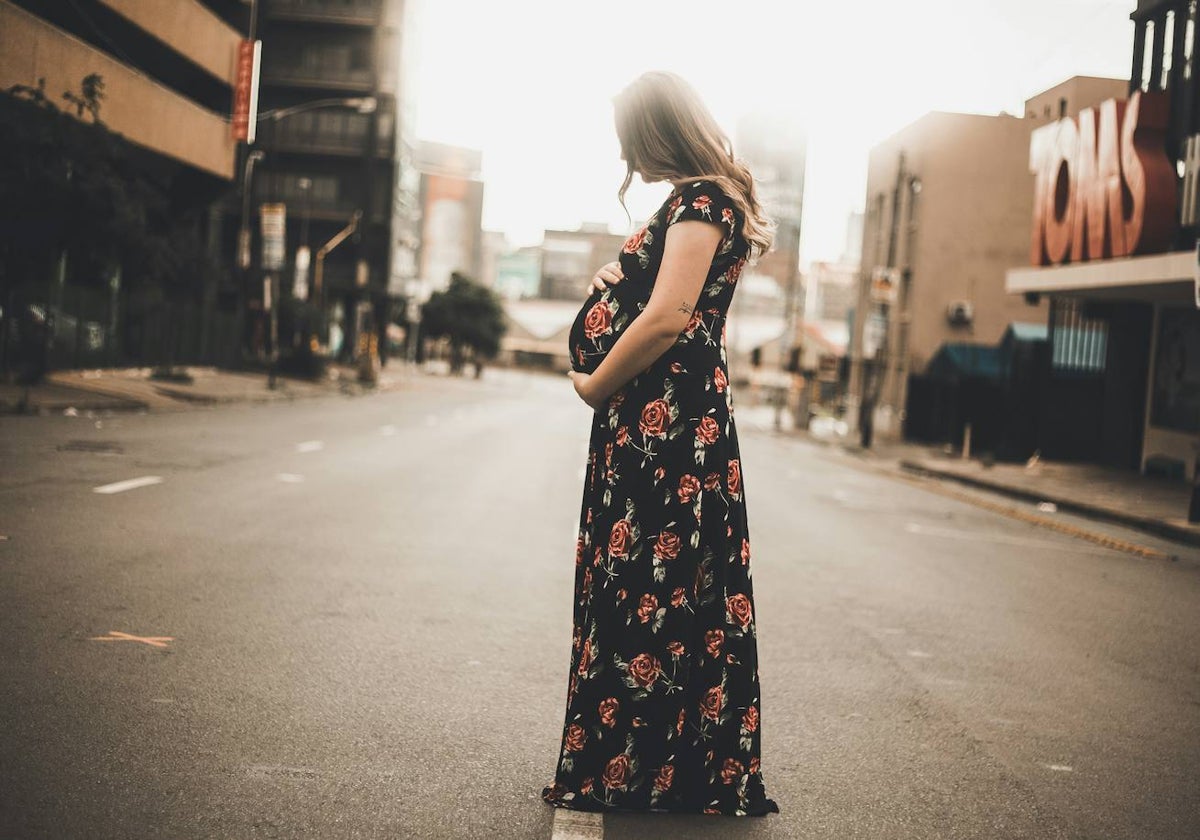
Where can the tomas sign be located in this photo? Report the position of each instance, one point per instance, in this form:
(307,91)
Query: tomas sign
(1104,185)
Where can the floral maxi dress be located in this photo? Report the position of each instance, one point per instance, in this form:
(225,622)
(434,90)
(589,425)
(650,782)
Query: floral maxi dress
(663,706)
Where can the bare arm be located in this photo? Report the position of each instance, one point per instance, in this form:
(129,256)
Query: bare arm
(687,255)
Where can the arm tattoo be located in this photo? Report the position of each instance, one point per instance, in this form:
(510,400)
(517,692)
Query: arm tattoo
(683,307)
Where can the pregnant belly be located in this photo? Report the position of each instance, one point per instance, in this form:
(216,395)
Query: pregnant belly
(600,322)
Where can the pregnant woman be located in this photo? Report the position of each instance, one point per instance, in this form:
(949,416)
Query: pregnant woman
(663,705)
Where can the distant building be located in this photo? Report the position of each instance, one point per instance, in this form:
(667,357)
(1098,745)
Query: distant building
(570,259)
(947,214)
(452,215)
(776,150)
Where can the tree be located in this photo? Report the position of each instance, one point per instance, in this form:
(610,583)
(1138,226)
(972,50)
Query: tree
(469,315)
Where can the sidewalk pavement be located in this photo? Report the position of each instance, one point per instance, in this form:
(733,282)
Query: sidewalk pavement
(133,389)
(1150,504)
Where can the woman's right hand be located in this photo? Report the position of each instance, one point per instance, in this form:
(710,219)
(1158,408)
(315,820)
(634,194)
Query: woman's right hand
(609,275)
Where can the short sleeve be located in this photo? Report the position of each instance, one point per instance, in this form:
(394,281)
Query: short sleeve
(704,201)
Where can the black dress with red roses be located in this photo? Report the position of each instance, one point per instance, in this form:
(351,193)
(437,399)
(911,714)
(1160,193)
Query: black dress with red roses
(663,705)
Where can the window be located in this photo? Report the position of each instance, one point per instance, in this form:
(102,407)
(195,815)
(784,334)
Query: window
(1189,38)
(1147,54)
(1168,50)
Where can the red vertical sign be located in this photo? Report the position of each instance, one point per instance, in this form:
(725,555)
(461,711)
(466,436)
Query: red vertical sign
(245,91)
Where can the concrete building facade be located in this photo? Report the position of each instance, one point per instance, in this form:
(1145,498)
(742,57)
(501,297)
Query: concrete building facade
(947,213)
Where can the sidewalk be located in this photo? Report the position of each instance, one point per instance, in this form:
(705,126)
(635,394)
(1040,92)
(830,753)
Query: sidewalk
(132,389)
(1154,505)
(1147,503)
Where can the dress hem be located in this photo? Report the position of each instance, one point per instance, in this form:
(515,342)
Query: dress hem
(761,809)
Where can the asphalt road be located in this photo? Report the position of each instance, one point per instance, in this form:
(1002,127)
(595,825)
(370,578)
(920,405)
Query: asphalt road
(352,619)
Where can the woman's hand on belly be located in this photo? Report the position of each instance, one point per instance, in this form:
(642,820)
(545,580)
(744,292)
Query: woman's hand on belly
(609,274)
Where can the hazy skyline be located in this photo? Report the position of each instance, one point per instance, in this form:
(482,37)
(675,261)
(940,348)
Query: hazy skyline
(530,83)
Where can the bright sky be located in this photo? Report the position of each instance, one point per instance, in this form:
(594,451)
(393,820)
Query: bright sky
(530,83)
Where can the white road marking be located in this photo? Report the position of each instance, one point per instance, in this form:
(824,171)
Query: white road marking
(577,825)
(920,654)
(1061,768)
(310,446)
(388,430)
(975,536)
(290,478)
(128,484)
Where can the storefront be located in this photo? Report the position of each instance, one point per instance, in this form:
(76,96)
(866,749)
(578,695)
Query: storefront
(1113,216)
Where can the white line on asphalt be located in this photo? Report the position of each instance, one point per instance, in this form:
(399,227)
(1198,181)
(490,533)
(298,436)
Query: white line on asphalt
(976,536)
(577,825)
(128,484)
(290,478)
(920,654)
(388,430)
(1062,768)
(310,446)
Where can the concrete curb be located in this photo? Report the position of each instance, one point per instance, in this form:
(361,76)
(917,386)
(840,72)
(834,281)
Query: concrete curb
(1157,527)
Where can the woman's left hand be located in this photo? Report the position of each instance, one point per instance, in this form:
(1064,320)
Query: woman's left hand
(582,388)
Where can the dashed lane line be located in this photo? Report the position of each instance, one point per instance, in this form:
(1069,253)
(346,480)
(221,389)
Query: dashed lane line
(128,484)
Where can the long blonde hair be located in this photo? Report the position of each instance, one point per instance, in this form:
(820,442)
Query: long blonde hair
(668,134)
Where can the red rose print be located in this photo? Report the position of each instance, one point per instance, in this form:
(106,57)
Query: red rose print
(689,486)
(659,474)
(676,648)
(598,321)
(693,322)
(608,711)
(713,640)
(576,737)
(644,669)
(618,538)
(727,216)
(621,594)
(557,790)
(666,774)
(579,356)
(666,547)
(677,597)
(586,787)
(754,764)
(585,658)
(719,380)
(710,706)
(676,367)
(647,607)
(679,723)
(579,552)
(745,551)
(616,399)
(750,719)
(634,242)
(708,431)
(712,481)
(616,772)
(732,771)
(739,607)
(734,477)
(675,202)
(622,436)
(701,203)
(608,448)
(655,416)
